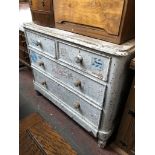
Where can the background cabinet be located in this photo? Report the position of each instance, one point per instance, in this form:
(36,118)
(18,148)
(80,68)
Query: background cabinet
(42,12)
(107,20)
(23,52)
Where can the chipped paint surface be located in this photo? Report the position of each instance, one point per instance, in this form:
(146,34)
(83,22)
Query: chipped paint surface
(84,144)
(69,77)
(102,46)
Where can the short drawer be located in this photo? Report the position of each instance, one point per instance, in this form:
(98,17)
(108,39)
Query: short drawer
(41,43)
(81,84)
(79,106)
(91,63)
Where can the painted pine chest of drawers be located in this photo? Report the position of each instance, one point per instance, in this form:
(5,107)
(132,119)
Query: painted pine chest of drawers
(83,76)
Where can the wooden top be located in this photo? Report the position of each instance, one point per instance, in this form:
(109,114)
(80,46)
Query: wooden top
(99,45)
(24,14)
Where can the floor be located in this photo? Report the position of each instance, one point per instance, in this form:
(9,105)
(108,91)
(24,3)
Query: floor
(37,137)
(76,136)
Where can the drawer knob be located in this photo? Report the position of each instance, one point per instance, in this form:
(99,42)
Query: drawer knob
(44,83)
(41,64)
(77,83)
(78,59)
(38,43)
(77,105)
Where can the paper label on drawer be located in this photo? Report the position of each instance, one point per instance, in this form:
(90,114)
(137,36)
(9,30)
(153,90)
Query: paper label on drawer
(33,57)
(97,63)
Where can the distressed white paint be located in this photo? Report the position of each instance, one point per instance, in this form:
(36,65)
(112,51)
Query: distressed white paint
(102,46)
(68,54)
(69,77)
(46,45)
(86,111)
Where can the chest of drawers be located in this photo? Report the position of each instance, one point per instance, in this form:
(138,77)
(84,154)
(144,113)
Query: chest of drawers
(82,76)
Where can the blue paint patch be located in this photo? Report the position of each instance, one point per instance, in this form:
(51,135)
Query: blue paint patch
(33,57)
(33,42)
(97,63)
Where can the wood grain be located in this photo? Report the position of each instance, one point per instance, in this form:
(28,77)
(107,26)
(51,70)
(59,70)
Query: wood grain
(42,14)
(102,19)
(104,14)
(37,5)
(42,18)
(37,137)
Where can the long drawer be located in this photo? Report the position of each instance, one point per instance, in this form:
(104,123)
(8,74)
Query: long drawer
(80,83)
(89,62)
(85,111)
(41,43)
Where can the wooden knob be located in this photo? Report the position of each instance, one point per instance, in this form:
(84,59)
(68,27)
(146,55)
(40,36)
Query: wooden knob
(77,105)
(38,43)
(41,64)
(79,59)
(43,83)
(77,83)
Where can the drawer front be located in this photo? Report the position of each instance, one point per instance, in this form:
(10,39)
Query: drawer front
(41,43)
(91,63)
(78,105)
(87,87)
(40,5)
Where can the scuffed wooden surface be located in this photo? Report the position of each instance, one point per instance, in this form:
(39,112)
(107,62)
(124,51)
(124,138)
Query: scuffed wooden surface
(38,138)
(99,45)
(105,14)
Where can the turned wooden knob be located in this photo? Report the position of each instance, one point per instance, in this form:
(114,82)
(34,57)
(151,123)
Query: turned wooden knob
(43,83)
(38,43)
(41,64)
(78,59)
(77,105)
(77,83)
